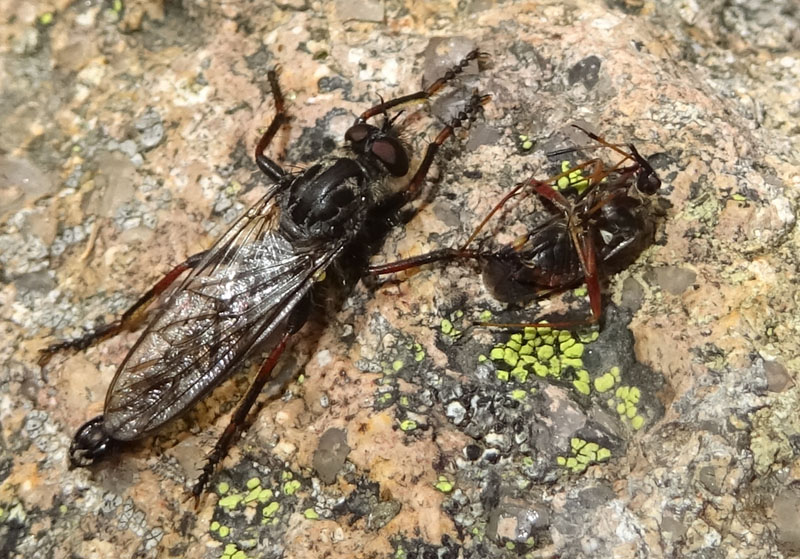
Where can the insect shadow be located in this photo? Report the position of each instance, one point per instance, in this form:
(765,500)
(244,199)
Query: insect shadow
(599,222)
(254,288)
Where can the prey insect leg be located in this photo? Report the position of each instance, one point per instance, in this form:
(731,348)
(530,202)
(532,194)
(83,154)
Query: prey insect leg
(128,318)
(449,254)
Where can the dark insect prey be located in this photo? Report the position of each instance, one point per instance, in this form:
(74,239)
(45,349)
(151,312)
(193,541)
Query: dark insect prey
(255,287)
(588,235)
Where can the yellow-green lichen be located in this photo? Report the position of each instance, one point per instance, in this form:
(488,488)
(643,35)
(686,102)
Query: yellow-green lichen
(253,482)
(581,382)
(231,501)
(625,402)
(519,374)
(224,531)
(510,356)
(606,381)
(443,484)
(252,495)
(447,326)
(408,425)
(264,495)
(582,454)
(270,510)
(574,178)
(311,514)
(290,487)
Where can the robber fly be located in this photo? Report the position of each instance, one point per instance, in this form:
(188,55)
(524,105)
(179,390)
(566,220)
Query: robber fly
(587,236)
(253,289)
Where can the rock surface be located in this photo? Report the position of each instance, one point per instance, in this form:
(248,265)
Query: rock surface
(128,130)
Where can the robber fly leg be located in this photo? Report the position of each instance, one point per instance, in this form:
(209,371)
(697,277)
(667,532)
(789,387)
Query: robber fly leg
(441,255)
(429,91)
(466,115)
(267,165)
(128,318)
(239,416)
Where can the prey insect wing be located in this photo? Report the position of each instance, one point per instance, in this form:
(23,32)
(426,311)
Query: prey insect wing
(241,293)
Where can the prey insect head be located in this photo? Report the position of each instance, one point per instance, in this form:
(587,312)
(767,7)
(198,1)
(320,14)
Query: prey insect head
(647,180)
(91,443)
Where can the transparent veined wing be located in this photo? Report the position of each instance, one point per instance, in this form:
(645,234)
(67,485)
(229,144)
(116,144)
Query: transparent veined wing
(239,294)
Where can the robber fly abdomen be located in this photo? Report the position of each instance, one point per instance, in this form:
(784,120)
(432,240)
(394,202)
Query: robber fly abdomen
(252,290)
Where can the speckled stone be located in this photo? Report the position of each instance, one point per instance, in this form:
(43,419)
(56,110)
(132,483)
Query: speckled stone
(128,132)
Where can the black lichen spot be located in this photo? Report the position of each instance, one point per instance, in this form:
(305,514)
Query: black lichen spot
(315,141)
(633,7)
(330,83)
(587,72)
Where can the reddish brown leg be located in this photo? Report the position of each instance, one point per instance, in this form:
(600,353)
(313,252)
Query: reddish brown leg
(128,318)
(432,89)
(467,114)
(441,255)
(239,416)
(267,165)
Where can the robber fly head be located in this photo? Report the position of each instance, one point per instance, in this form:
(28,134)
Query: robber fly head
(91,442)
(379,144)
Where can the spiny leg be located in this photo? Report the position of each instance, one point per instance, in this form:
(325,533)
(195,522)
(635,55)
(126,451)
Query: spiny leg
(467,114)
(128,318)
(432,89)
(269,167)
(239,416)
(441,255)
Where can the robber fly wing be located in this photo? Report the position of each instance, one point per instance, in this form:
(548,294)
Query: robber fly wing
(236,298)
